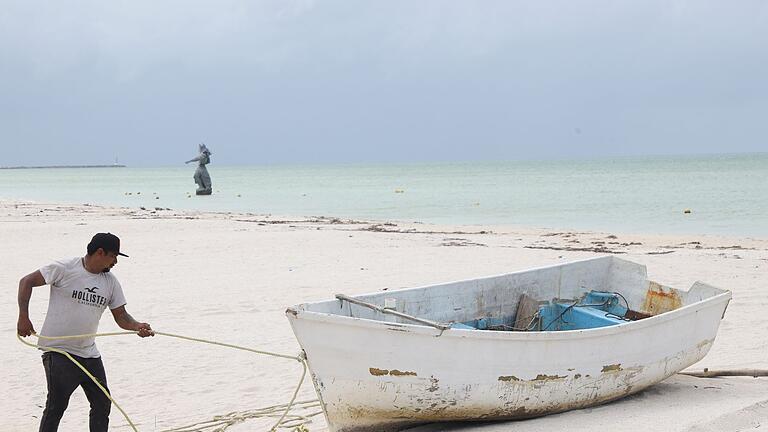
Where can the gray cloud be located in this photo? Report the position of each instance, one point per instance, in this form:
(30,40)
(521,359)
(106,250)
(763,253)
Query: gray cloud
(331,81)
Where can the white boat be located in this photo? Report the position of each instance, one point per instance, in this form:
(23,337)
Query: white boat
(395,359)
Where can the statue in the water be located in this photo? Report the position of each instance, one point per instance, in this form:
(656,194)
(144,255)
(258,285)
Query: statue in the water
(202,178)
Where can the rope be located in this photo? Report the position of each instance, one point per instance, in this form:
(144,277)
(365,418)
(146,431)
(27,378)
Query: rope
(221,423)
(93,378)
(561,315)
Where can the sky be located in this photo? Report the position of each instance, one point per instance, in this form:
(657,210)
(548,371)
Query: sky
(359,81)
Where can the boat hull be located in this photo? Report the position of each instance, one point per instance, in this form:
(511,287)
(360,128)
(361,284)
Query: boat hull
(385,376)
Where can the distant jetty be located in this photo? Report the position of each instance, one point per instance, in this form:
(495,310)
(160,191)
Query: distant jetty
(63,166)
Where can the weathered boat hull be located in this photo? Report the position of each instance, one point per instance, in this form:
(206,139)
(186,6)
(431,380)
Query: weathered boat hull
(373,375)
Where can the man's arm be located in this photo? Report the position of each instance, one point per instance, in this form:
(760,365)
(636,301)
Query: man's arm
(126,322)
(35,279)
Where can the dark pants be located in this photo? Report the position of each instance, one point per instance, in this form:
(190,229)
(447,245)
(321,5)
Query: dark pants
(63,378)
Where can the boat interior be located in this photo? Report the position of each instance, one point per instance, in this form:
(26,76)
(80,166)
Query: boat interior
(584,294)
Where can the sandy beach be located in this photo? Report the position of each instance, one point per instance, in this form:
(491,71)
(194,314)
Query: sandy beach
(229,277)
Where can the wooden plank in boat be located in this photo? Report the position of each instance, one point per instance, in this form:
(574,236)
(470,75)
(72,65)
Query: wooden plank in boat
(527,308)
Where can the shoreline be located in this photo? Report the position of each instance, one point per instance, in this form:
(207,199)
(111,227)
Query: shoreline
(382,225)
(229,277)
(60,166)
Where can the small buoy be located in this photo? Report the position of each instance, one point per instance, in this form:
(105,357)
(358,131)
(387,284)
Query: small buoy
(687,211)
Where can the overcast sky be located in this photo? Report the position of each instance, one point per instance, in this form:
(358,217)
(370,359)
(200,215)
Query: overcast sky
(284,81)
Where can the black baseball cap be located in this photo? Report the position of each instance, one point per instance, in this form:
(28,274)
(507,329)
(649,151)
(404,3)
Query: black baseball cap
(107,241)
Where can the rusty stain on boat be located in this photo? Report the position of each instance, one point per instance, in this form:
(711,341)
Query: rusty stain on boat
(612,368)
(509,378)
(393,372)
(448,409)
(431,407)
(659,300)
(543,377)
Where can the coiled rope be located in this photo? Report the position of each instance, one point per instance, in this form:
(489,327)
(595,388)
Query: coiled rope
(220,423)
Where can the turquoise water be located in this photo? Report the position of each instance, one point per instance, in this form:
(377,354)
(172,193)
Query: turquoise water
(727,194)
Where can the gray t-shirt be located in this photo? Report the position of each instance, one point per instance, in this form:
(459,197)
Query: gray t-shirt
(78,299)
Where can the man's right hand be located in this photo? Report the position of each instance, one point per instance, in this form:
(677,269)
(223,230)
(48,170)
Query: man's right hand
(24,326)
(35,279)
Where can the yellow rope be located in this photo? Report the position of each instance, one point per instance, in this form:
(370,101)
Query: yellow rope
(93,378)
(296,421)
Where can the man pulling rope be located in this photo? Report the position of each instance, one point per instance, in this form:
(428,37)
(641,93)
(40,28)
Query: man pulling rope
(81,289)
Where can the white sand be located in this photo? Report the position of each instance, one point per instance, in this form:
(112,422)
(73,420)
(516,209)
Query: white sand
(229,277)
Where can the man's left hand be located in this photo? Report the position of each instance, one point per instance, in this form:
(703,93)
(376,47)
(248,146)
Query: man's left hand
(144,330)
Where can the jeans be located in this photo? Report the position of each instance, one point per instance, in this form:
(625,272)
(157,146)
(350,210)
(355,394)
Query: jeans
(63,378)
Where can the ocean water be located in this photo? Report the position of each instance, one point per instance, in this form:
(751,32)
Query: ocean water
(727,194)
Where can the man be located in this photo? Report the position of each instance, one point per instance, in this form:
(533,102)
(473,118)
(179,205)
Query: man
(81,288)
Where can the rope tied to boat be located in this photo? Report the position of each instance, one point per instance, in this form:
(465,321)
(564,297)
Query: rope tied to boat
(295,422)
